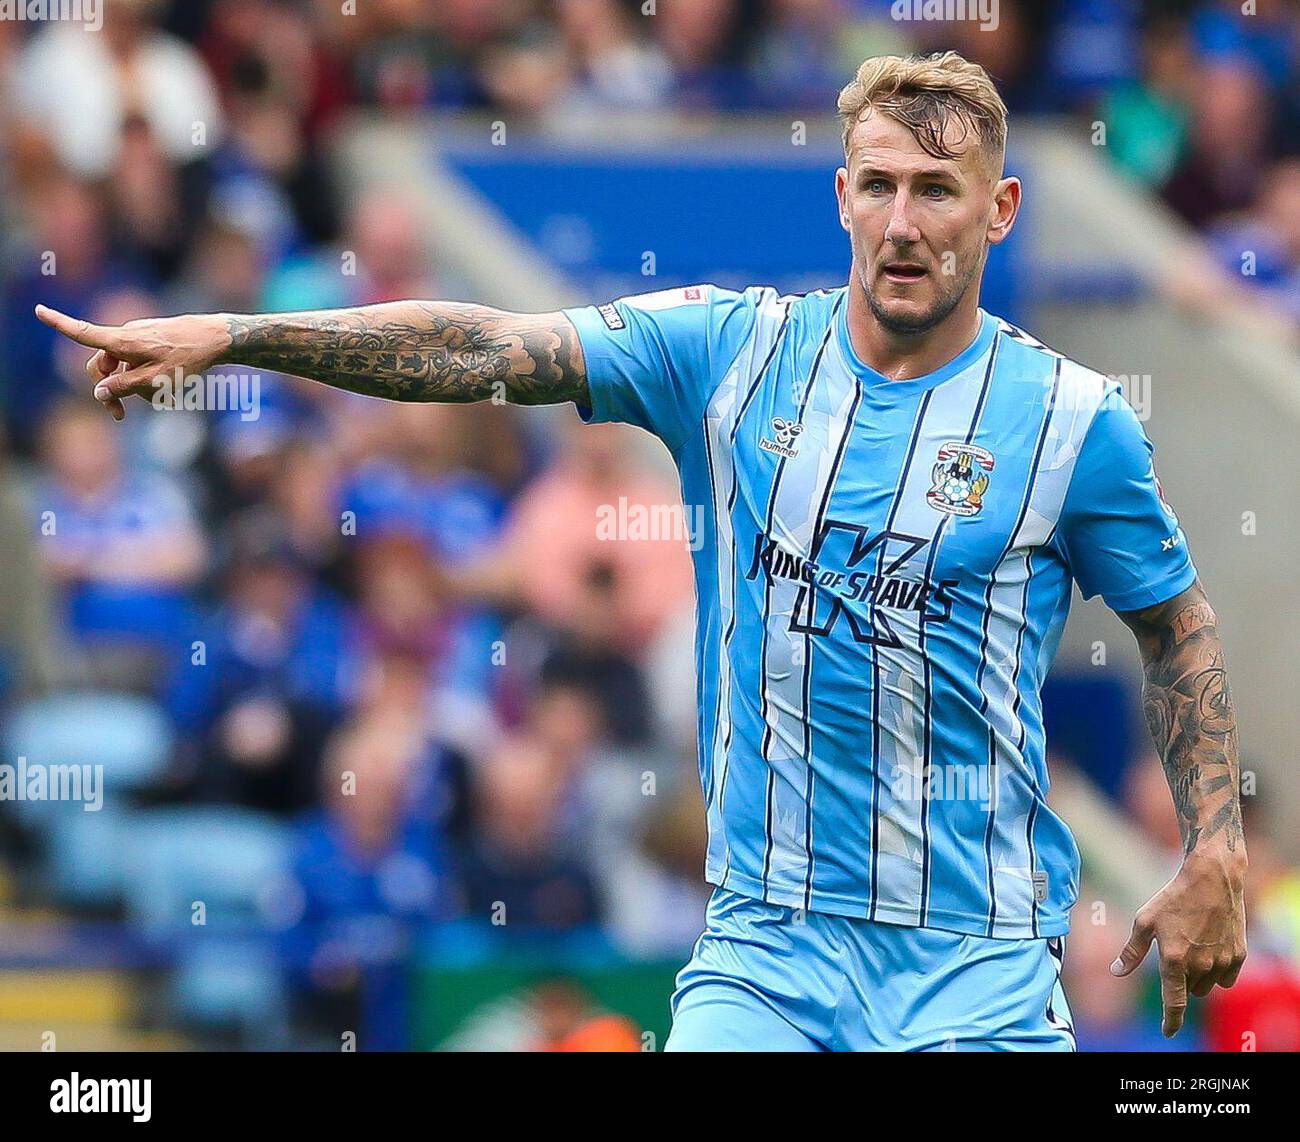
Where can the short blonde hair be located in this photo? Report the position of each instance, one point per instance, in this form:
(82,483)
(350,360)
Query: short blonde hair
(925,93)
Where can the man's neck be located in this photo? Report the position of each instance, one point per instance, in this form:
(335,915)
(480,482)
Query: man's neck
(902,356)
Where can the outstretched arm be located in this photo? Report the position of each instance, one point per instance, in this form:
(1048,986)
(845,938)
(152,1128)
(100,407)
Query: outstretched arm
(404,350)
(1198,918)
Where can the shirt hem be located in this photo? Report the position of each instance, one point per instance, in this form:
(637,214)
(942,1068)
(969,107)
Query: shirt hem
(1049,924)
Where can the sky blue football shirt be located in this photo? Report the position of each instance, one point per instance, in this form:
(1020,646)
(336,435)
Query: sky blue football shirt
(882,581)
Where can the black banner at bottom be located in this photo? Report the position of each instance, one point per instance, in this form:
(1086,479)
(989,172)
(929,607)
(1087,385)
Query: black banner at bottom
(350,1090)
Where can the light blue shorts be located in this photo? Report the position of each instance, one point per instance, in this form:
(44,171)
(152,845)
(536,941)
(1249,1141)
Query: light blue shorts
(765,977)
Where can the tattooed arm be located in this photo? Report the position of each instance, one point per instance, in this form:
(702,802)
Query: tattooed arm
(403,350)
(1198,919)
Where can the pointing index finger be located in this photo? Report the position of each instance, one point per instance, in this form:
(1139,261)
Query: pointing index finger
(83,332)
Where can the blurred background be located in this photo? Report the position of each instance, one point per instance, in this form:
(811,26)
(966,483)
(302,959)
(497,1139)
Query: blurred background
(397,749)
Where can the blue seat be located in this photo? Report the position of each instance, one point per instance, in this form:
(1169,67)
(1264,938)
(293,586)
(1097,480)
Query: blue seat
(232,984)
(129,739)
(233,861)
(86,856)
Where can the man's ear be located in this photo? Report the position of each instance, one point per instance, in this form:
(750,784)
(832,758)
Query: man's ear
(1006,208)
(842,196)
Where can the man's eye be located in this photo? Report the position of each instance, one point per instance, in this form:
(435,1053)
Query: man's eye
(875,186)
(934,190)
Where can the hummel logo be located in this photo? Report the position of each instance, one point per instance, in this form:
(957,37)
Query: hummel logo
(786,430)
(786,433)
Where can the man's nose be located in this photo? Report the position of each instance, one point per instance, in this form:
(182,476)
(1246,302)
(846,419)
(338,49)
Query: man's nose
(901,229)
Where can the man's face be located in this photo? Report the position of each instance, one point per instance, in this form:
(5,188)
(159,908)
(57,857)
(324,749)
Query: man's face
(919,226)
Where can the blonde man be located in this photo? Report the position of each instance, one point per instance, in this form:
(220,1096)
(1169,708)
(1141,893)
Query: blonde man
(899,489)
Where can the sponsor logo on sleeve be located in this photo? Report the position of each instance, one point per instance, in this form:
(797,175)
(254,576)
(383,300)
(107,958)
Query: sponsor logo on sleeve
(668,298)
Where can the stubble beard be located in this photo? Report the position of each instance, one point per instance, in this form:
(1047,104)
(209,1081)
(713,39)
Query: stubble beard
(915,324)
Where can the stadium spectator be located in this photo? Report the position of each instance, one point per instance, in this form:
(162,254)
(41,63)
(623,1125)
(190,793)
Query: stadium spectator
(306,498)
(268,172)
(613,68)
(383,231)
(1263,244)
(367,869)
(300,60)
(706,43)
(519,870)
(595,535)
(267,689)
(1227,140)
(655,888)
(801,53)
(65,255)
(224,270)
(124,549)
(1145,115)
(79,90)
(412,474)
(607,791)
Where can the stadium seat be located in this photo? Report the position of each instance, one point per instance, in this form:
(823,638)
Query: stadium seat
(232,984)
(85,857)
(129,736)
(232,861)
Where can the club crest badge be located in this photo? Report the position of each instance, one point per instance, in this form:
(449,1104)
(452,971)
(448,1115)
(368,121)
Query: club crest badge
(787,438)
(960,478)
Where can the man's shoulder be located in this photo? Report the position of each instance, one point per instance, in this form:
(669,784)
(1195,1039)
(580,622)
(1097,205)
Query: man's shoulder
(1075,382)
(813,305)
(809,307)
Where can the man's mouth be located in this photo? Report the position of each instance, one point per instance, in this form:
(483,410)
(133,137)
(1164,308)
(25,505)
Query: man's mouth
(904,271)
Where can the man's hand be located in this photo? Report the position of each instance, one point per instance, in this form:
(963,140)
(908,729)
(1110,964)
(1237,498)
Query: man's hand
(1199,918)
(1198,921)
(129,358)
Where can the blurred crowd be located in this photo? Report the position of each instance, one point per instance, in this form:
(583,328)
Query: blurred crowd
(394,630)
(1210,122)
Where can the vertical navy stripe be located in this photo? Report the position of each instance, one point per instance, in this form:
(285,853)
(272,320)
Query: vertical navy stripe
(875,657)
(984,638)
(1020,738)
(927,718)
(1030,818)
(988,829)
(731,492)
(808,643)
(731,502)
(767,600)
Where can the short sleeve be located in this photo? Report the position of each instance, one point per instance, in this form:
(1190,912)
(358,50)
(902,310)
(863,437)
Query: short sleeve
(1120,537)
(654,359)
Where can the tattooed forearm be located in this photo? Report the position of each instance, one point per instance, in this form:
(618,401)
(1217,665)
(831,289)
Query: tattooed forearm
(420,351)
(1189,711)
